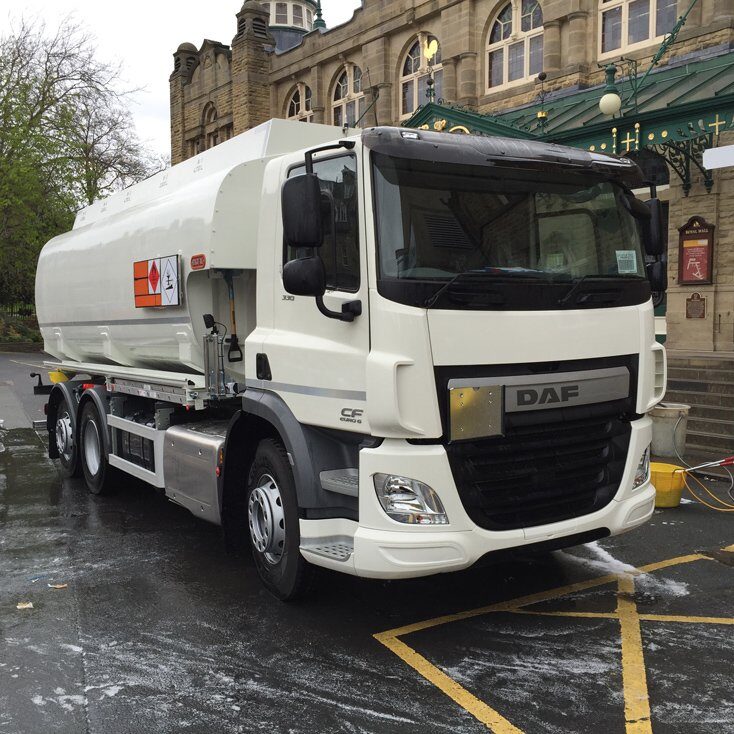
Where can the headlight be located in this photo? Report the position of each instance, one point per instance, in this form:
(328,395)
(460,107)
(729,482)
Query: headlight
(643,469)
(409,501)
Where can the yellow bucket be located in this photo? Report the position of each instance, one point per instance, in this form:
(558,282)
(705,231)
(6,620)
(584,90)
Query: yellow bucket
(668,484)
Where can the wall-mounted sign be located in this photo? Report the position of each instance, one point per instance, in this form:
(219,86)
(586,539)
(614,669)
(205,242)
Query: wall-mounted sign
(695,307)
(156,282)
(696,252)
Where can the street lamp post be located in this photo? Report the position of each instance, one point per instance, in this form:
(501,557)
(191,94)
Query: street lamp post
(611,102)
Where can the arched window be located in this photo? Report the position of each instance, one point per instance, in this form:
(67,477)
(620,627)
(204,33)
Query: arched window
(422,55)
(210,114)
(300,105)
(629,24)
(209,119)
(515,44)
(348,102)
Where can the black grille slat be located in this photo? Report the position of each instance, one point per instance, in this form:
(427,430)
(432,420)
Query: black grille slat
(550,466)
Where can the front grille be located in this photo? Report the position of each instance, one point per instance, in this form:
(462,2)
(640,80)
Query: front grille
(550,465)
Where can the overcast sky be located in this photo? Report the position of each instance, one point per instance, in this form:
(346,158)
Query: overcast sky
(143,34)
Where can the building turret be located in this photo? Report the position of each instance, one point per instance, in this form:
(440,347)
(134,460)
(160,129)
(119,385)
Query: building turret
(251,49)
(185,61)
(290,20)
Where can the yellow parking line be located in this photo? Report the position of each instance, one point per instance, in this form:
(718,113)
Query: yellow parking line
(577,615)
(504,606)
(524,601)
(680,560)
(643,617)
(634,678)
(685,620)
(637,704)
(493,720)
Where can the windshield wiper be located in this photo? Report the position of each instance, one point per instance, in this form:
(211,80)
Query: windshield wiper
(495,275)
(595,278)
(431,300)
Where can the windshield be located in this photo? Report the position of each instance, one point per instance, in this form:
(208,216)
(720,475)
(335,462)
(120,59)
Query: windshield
(445,230)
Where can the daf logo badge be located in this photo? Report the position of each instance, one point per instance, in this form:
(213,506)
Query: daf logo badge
(546,395)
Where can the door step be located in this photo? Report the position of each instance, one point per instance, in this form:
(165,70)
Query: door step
(341,481)
(338,548)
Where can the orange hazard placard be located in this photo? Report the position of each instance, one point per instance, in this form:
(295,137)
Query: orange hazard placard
(156,282)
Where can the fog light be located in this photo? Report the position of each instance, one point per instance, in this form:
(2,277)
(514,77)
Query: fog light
(409,501)
(642,474)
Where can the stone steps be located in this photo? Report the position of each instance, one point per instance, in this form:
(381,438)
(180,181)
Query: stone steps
(706,383)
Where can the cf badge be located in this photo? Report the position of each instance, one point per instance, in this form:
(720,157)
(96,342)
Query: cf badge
(350,415)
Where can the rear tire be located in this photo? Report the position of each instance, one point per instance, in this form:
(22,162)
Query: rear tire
(65,435)
(98,474)
(273,522)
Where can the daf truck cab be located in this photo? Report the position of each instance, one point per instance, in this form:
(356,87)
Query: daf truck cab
(389,354)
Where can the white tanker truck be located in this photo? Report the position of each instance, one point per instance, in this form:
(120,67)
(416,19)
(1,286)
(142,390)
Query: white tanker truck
(390,354)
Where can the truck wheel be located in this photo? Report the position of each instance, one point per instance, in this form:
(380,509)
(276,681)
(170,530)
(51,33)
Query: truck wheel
(272,517)
(66,441)
(97,471)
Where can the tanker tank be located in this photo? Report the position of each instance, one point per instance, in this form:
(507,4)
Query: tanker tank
(130,283)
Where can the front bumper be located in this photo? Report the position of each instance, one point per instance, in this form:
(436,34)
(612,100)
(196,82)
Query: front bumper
(387,549)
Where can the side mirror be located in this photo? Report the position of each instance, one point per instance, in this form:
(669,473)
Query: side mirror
(655,241)
(657,274)
(305,277)
(302,213)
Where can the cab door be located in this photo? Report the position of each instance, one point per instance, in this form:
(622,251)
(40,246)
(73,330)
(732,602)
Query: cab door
(317,363)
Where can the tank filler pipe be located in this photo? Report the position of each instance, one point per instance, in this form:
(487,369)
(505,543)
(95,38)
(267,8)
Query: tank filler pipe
(235,352)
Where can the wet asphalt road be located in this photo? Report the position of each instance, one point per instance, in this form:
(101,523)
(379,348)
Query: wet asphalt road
(159,630)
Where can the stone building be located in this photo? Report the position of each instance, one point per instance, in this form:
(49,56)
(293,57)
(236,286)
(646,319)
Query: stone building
(475,66)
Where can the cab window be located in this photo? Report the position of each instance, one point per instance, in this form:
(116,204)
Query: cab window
(340,251)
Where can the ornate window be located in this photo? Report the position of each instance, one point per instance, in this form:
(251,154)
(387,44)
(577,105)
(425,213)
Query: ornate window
(281,13)
(297,15)
(515,44)
(212,131)
(415,74)
(625,24)
(300,105)
(348,102)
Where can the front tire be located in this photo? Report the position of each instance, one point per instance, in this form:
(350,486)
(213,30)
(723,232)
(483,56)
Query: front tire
(273,522)
(98,474)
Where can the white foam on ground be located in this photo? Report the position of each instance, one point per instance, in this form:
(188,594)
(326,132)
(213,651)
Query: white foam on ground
(607,563)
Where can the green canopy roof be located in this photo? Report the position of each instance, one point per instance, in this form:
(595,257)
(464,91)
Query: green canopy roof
(677,102)
(679,111)
(680,102)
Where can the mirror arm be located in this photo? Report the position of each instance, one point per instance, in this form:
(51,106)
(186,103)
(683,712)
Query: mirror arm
(348,312)
(347,144)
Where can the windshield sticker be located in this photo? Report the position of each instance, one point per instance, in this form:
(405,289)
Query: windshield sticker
(626,262)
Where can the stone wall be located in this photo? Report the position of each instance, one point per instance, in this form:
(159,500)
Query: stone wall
(379,35)
(716,331)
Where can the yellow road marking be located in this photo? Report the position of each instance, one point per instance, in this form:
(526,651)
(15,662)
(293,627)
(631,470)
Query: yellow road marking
(634,678)
(487,715)
(643,617)
(637,705)
(524,601)
(685,620)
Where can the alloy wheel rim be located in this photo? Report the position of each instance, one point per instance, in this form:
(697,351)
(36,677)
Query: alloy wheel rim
(266,519)
(65,436)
